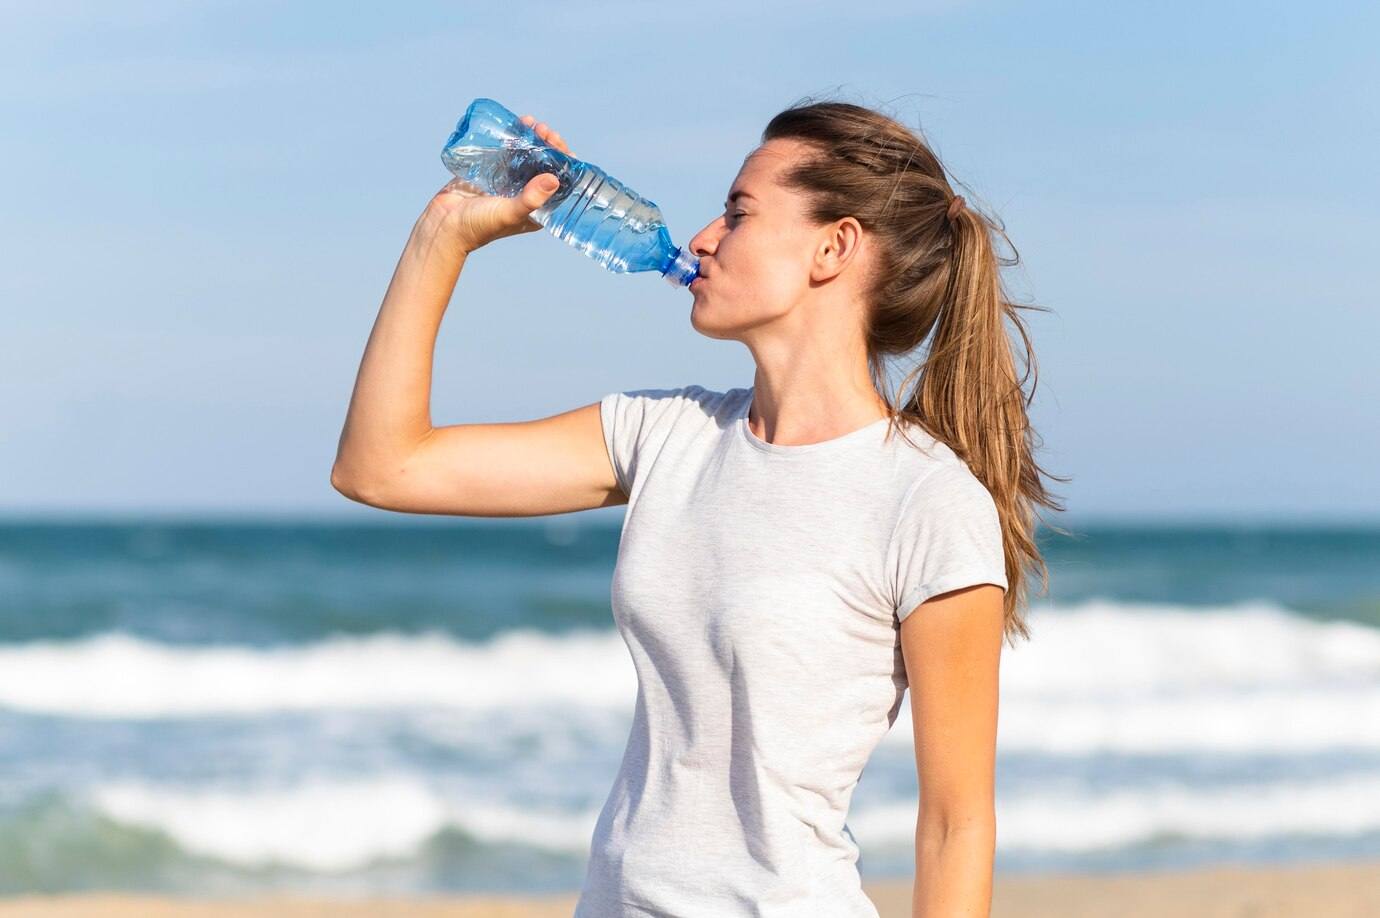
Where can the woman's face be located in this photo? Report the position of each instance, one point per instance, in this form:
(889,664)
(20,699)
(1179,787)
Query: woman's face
(755,260)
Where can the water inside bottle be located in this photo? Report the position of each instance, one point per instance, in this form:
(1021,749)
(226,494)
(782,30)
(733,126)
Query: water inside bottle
(590,210)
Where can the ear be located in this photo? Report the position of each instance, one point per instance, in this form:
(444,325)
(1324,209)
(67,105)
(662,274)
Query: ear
(839,243)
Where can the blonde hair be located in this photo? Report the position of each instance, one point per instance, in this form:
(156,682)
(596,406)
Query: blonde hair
(935,278)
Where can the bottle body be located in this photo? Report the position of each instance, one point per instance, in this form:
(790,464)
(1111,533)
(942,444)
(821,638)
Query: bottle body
(591,211)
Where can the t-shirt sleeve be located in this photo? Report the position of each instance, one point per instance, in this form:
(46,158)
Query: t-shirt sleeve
(948,537)
(636,424)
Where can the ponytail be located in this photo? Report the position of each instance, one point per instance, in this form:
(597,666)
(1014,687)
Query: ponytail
(938,281)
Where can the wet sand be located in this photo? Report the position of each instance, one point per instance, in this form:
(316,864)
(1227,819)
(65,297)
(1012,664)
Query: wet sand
(1342,890)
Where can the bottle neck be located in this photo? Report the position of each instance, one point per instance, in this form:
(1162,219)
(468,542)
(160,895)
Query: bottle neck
(682,268)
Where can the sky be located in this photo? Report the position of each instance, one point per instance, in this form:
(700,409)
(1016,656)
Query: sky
(204,202)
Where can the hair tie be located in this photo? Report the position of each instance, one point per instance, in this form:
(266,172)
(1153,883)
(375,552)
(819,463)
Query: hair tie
(955,206)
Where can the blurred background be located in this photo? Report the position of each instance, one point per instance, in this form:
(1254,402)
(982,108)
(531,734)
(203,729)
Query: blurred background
(218,674)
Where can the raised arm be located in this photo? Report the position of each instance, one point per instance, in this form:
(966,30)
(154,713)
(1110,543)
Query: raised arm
(391,457)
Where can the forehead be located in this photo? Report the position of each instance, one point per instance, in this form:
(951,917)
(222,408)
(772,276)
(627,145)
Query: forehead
(759,170)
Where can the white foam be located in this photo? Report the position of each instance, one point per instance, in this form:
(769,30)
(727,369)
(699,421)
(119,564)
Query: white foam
(1265,721)
(115,675)
(1079,820)
(330,825)
(344,825)
(1107,677)
(1122,648)
(1098,677)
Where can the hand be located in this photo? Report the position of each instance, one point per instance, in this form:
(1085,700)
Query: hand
(546,134)
(474,218)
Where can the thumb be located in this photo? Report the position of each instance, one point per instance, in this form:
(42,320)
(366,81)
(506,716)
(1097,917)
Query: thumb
(535,193)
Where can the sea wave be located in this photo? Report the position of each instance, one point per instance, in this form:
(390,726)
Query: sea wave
(338,826)
(331,825)
(1100,676)
(115,675)
(1083,819)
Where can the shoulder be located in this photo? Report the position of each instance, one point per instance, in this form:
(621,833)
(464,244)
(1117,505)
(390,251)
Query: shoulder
(934,479)
(649,404)
(635,417)
(950,487)
(947,535)
(925,466)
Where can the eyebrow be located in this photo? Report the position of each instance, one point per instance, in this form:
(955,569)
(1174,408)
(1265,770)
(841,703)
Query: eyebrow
(735,196)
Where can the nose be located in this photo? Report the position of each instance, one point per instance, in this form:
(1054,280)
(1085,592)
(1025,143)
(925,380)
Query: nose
(707,239)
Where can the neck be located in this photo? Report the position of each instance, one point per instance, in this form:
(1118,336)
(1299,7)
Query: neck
(809,395)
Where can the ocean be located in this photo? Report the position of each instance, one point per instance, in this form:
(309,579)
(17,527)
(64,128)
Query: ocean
(440,705)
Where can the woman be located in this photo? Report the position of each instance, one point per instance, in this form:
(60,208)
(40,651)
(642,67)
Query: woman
(788,564)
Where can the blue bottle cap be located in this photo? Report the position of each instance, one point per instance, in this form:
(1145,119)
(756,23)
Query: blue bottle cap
(683,269)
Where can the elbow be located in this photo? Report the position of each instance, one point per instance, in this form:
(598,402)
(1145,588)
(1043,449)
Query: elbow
(348,487)
(972,819)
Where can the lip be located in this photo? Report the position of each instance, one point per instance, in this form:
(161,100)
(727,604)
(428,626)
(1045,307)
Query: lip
(697,280)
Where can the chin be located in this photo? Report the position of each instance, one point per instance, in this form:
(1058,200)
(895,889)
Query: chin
(695,322)
(708,328)
(698,323)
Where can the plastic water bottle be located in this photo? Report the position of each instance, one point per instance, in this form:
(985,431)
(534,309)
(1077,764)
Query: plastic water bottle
(593,211)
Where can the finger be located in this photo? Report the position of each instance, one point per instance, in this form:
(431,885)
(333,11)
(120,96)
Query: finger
(459,186)
(544,132)
(536,192)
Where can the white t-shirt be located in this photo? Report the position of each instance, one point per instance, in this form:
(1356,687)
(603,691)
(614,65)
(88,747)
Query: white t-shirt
(760,590)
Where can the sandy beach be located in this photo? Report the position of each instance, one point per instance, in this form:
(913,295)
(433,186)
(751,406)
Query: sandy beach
(1343,890)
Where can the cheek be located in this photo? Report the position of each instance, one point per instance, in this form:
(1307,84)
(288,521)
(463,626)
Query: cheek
(777,269)
(764,267)
(761,255)
(761,289)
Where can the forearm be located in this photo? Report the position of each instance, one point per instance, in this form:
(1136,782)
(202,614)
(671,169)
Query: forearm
(390,409)
(953,871)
